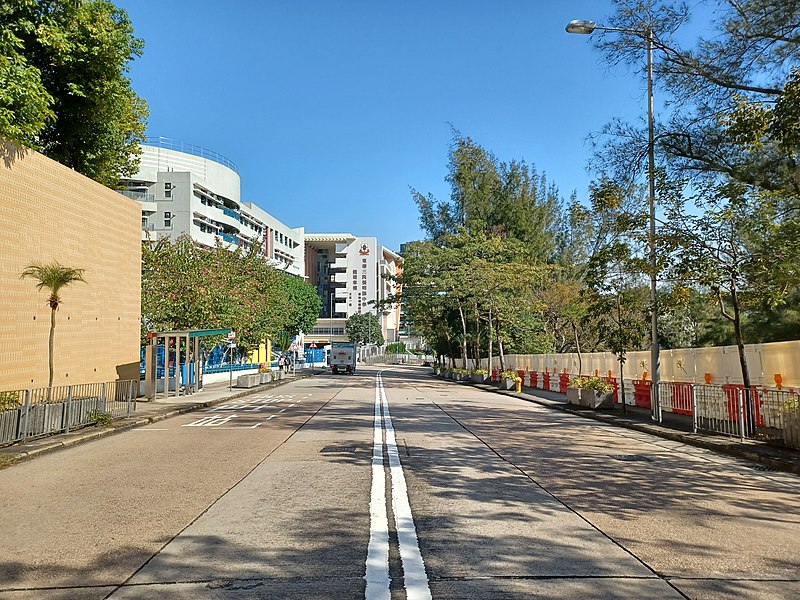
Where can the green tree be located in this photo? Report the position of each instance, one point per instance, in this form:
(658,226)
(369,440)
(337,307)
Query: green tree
(186,286)
(364,328)
(304,304)
(714,250)
(618,302)
(54,277)
(63,84)
(493,198)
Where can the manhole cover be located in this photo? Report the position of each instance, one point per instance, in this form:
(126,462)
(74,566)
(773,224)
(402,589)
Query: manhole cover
(633,458)
(342,449)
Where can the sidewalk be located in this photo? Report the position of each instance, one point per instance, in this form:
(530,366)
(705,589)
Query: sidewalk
(672,428)
(146,413)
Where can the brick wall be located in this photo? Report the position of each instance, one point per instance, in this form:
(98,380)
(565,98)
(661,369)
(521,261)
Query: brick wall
(49,212)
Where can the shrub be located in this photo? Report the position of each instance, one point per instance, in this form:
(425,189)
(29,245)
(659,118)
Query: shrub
(591,383)
(512,375)
(100,418)
(9,401)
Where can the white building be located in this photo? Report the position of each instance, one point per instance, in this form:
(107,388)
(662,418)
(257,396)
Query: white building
(348,272)
(188,190)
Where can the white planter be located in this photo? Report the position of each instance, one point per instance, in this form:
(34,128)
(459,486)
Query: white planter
(506,384)
(594,399)
(574,396)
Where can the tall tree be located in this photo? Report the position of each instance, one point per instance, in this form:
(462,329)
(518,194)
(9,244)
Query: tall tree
(63,84)
(714,250)
(303,302)
(732,93)
(364,328)
(493,198)
(53,276)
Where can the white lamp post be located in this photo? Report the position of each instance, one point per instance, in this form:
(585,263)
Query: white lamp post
(587,27)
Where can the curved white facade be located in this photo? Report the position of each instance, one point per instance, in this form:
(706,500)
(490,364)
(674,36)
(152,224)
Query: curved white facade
(222,179)
(189,190)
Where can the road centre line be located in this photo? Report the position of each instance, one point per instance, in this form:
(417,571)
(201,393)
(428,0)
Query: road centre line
(377,574)
(414,577)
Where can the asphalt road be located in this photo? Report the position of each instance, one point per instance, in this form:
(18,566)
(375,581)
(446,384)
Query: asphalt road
(398,486)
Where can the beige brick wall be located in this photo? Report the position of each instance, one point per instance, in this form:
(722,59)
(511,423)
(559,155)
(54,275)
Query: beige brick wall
(49,212)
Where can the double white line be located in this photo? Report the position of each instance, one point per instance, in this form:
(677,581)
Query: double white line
(377,575)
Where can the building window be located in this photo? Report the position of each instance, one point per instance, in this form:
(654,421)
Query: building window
(167,190)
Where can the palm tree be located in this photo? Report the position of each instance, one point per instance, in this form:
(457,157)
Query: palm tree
(53,276)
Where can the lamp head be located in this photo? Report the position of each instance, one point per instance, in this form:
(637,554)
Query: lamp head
(581,26)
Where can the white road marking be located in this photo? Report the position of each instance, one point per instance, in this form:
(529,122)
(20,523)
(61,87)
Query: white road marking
(377,575)
(210,421)
(271,417)
(282,410)
(415,579)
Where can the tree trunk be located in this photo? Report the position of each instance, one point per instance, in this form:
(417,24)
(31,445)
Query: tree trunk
(500,347)
(621,387)
(476,347)
(750,423)
(463,337)
(51,348)
(490,342)
(578,348)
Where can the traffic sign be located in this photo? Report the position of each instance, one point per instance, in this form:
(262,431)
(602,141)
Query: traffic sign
(231,336)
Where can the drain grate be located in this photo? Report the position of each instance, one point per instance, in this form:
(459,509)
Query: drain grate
(764,468)
(342,449)
(633,458)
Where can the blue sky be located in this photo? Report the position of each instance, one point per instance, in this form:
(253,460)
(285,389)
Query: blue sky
(333,109)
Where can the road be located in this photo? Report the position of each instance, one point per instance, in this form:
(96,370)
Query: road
(394,484)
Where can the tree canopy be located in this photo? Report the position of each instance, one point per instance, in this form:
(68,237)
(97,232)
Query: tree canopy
(186,286)
(364,328)
(63,84)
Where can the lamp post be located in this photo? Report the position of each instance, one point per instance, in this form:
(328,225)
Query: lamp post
(330,323)
(587,27)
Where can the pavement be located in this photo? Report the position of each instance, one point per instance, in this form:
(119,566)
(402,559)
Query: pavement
(672,427)
(145,414)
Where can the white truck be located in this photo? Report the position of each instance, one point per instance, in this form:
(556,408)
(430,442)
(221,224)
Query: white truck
(343,358)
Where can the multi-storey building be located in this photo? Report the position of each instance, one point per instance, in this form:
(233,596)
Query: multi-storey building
(189,190)
(349,273)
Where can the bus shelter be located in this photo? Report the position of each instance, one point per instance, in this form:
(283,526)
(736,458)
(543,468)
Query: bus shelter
(182,372)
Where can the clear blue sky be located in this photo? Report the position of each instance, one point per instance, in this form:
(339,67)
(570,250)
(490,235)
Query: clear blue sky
(332,109)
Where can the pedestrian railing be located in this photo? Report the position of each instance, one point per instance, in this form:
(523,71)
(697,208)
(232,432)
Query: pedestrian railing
(26,414)
(763,413)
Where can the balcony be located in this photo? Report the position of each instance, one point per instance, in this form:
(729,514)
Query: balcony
(228,238)
(231,213)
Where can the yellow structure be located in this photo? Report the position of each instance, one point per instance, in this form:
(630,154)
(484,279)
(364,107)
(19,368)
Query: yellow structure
(263,354)
(50,212)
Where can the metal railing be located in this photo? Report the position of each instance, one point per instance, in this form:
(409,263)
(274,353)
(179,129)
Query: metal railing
(138,196)
(768,414)
(170,144)
(231,239)
(231,213)
(26,414)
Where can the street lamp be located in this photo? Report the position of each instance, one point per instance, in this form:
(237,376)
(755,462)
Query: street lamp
(587,27)
(330,322)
